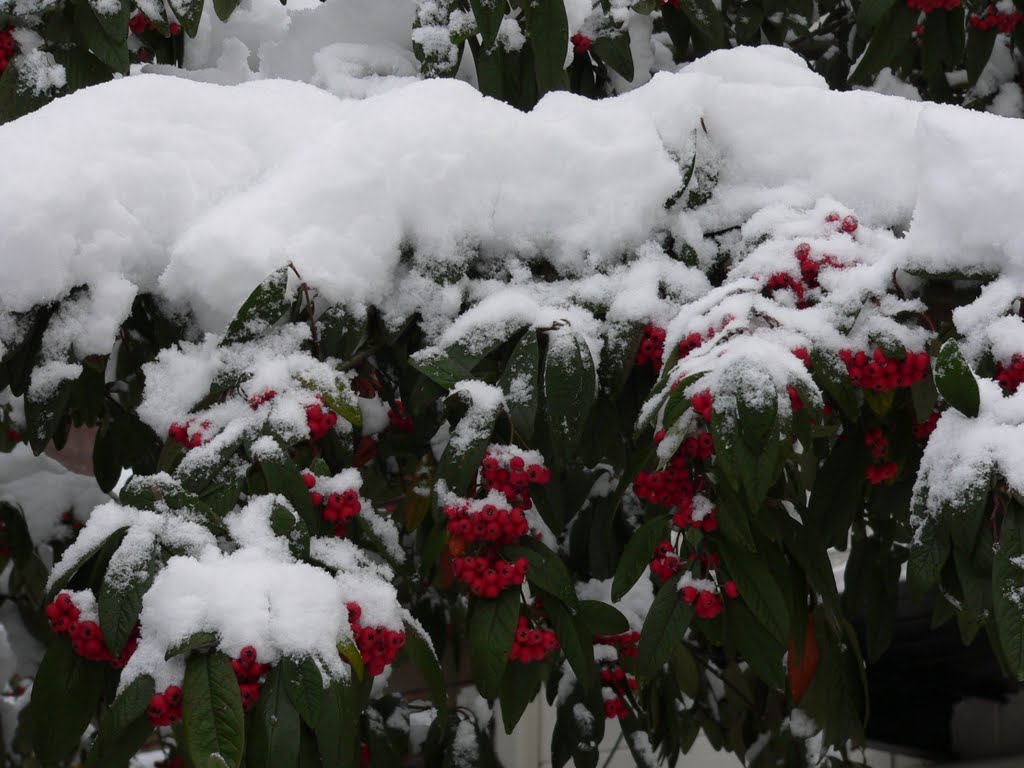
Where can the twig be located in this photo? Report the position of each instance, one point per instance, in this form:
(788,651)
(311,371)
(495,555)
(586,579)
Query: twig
(309,309)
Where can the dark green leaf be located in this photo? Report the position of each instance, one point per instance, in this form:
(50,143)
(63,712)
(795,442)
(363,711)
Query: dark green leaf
(1007,592)
(520,384)
(338,730)
(888,41)
(838,493)
(214,724)
(758,589)
(576,641)
(197,641)
(548,31)
(189,17)
(120,599)
(547,571)
(979,50)
(110,50)
(224,8)
(614,51)
(870,12)
(706,21)
(492,628)
(602,619)
(928,554)
(489,14)
(284,477)
(65,694)
(519,687)
(124,728)
(685,670)
(274,733)
(570,387)
(304,685)
(72,567)
(636,557)
(663,629)
(955,381)
(268,302)
(426,661)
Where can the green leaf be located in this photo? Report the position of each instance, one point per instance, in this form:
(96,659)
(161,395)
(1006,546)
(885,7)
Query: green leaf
(570,387)
(576,641)
(1007,591)
(955,381)
(758,589)
(979,50)
(224,8)
(838,493)
(65,695)
(636,557)
(275,726)
(663,630)
(93,33)
(706,20)
(888,41)
(685,670)
(929,551)
(189,17)
(547,571)
(81,68)
(870,12)
(268,303)
(424,659)
(16,535)
(284,477)
(45,415)
(72,567)
(337,733)
(519,381)
(448,366)
(602,619)
(214,724)
(124,728)
(17,98)
(115,25)
(614,51)
(488,15)
(341,334)
(304,686)
(491,630)
(197,641)
(120,598)
(548,31)
(831,375)
(519,687)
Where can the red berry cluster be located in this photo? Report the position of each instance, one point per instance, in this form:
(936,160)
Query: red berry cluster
(992,19)
(652,346)
(249,673)
(694,340)
(489,576)
(86,636)
(319,420)
(12,434)
(531,644)
(263,397)
(666,562)
(336,508)
(880,373)
(672,486)
(179,433)
(811,268)
(781,280)
(927,6)
(880,471)
(1010,375)
(507,473)
(399,419)
(165,708)
(707,604)
(364,755)
(140,23)
(69,519)
(377,645)
(923,429)
(702,403)
(616,683)
(580,43)
(489,523)
(8,46)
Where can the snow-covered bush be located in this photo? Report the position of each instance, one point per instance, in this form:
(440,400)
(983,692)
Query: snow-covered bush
(583,395)
(957,51)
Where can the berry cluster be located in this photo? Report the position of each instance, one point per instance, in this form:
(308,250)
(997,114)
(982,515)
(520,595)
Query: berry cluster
(249,673)
(337,508)
(811,268)
(927,6)
(666,563)
(707,603)
(399,419)
(880,471)
(1010,375)
(672,486)
(486,522)
(12,434)
(511,475)
(702,403)
(86,636)
(489,576)
(531,644)
(616,683)
(781,280)
(8,47)
(992,19)
(377,645)
(847,224)
(69,519)
(165,708)
(140,24)
(580,43)
(880,373)
(179,433)
(319,420)
(263,397)
(922,429)
(652,346)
